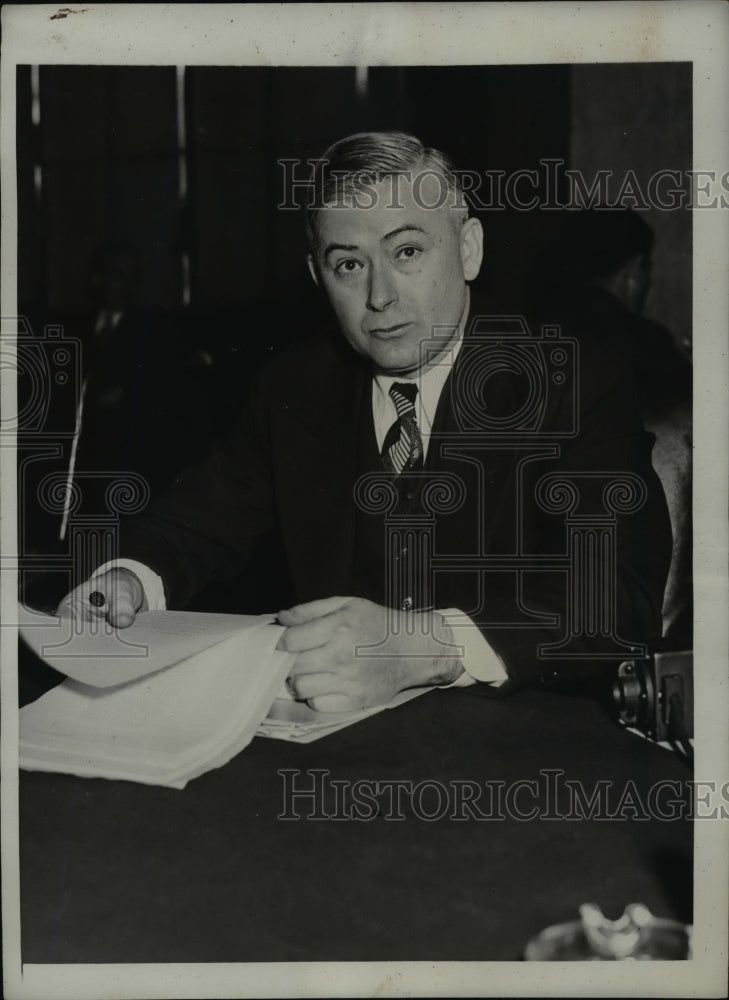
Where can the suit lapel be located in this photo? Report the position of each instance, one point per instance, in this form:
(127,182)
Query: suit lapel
(484,467)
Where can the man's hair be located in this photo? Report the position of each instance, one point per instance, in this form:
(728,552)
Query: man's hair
(368,158)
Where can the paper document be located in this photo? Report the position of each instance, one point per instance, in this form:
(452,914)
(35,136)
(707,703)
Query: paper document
(97,654)
(167,699)
(295,721)
(164,719)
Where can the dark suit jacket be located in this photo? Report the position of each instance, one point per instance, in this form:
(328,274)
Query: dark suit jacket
(305,437)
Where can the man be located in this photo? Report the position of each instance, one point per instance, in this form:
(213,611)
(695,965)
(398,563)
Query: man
(597,275)
(392,462)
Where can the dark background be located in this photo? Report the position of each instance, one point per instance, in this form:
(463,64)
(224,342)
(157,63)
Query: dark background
(221,275)
(108,147)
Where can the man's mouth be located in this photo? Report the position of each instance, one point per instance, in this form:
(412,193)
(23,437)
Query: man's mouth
(384,332)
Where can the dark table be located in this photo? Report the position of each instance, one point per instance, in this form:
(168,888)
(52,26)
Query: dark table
(118,872)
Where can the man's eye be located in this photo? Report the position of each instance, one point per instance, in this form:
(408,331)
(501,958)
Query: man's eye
(347,267)
(408,253)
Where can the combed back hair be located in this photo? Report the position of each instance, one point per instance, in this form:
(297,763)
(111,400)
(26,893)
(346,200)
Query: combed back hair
(367,158)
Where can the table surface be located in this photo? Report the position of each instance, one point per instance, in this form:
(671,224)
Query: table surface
(117,872)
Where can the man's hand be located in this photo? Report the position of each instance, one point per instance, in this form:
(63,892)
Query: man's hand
(332,675)
(123,596)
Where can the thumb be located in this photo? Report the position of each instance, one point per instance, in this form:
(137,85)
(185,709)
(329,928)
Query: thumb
(124,593)
(302,613)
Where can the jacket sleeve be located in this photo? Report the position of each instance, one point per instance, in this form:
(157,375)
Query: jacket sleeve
(203,528)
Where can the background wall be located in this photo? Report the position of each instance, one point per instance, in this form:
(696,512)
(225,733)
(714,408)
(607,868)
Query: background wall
(109,144)
(637,118)
(182,167)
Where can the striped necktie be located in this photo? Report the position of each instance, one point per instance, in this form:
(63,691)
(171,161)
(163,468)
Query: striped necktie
(403,446)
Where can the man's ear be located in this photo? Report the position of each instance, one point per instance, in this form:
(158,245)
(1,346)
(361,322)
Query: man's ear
(471,248)
(631,283)
(312,269)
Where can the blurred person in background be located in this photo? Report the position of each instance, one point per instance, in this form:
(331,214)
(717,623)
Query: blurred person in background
(596,275)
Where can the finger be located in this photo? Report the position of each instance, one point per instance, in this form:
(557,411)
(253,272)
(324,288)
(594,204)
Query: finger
(312,685)
(322,659)
(301,613)
(124,596)
(332,703)
(76,605)
(117,596)
(122,611)
(310,635)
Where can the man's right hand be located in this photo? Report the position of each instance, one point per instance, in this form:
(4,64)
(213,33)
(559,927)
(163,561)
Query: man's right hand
(122,593)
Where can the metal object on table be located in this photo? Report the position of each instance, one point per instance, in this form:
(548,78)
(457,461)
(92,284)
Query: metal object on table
(656,695)
(637,936)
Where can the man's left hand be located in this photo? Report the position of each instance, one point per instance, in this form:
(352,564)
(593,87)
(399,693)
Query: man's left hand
(351,653)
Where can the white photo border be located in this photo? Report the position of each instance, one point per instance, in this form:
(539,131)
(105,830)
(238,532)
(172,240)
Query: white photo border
(411,34)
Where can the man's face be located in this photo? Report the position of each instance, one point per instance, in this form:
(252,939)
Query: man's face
(395,273)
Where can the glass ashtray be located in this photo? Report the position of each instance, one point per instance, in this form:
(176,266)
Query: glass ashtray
(636,936)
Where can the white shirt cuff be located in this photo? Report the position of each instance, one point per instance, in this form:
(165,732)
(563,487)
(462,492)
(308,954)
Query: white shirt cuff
(152,584)
(479,661)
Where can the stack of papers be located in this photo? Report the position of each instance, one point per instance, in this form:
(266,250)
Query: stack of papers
(295,721)
(161,702)
(165,700)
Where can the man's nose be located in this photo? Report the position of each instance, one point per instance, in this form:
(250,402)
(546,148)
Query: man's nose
(381,292)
